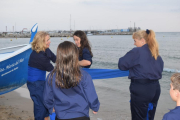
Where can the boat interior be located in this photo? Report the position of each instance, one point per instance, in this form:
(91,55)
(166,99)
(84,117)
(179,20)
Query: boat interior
(9,50)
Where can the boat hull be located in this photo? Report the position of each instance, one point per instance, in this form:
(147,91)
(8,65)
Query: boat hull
(13,71)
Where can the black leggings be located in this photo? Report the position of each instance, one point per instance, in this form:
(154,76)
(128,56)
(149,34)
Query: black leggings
(79,118)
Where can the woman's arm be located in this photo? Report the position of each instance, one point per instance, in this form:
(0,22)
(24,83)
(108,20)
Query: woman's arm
(128,60)
(84,63)
(46,59)
(90,92)
(50,55)
(86,58)
(46,64)
(48,96)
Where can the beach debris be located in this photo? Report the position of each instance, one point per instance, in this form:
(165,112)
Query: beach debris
(20,118)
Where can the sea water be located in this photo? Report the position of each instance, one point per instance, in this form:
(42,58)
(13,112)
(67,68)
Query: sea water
(114,93)
(107,49)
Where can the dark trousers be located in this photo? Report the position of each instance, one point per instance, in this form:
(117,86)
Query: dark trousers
(79,118)
(144,92)
(36,92)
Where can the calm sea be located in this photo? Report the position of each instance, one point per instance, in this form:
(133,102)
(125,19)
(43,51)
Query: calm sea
(107,50)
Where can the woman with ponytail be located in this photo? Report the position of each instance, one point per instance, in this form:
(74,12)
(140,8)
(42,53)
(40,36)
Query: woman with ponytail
(145,69)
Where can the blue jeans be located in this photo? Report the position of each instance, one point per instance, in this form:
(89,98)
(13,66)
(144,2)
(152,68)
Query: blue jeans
(36,92)
(144,92)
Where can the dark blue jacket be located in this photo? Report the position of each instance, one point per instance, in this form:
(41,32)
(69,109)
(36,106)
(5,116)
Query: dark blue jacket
(141,64)
(73,102)
(42,60)
(86,55)
(39,63)
(173,114)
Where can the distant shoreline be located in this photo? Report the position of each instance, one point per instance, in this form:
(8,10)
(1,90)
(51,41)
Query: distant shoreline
(59,35)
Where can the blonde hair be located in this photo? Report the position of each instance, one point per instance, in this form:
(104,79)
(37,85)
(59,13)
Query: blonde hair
(175,80)
(150,40)
(38,43)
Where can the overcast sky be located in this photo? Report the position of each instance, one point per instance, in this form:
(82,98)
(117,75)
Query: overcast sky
(158,15)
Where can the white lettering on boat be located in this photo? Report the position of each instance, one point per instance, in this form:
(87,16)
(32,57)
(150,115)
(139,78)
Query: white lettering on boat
(1,69)
(12,65)
(9,71)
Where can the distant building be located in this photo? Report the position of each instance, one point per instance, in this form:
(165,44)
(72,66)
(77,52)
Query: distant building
(124,30)
(115,30)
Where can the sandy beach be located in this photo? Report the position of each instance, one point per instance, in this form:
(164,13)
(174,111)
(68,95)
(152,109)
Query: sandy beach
(113,95)
(16,106)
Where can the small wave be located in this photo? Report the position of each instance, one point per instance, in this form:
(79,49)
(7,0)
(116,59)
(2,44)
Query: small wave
(171,70)
(99,119)
(104,64)
(174,57)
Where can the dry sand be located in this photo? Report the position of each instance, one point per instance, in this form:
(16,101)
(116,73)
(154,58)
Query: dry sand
(15,107)
(113,95)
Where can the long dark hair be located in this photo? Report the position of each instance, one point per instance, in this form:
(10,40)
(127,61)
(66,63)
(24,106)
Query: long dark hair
(84,41)
(67,69)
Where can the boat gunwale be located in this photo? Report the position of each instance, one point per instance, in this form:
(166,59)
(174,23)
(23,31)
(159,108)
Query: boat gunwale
(13,47)
(26,47)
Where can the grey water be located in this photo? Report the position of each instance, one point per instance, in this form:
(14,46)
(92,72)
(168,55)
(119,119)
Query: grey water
(108,49)
(114,93)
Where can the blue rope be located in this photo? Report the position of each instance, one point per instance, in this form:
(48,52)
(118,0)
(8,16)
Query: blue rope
(150,107)
(53,116)
(106,73)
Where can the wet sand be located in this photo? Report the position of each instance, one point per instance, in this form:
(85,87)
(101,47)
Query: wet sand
(113,95)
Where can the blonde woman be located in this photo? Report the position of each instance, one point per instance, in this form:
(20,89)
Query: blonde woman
(39,63)
(145,69)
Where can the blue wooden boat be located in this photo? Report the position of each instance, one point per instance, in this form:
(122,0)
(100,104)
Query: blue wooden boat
(14,65)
